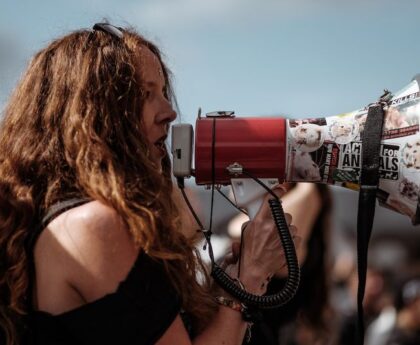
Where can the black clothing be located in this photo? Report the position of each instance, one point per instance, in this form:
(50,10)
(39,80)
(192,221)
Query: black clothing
(347,329)
(139,312)
(403,337)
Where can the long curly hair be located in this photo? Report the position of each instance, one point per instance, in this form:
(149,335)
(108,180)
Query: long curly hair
(73,128)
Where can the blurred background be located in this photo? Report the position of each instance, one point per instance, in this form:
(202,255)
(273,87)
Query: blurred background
(296,58)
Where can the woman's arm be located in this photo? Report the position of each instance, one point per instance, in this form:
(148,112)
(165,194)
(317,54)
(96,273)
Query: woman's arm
(227,327)
(304,203)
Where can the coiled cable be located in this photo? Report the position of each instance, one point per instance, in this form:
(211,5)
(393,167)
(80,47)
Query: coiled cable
(292,283)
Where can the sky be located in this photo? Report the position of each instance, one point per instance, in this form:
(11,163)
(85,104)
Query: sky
(297,58)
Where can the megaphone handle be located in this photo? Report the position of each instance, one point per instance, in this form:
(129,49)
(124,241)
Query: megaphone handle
(254,207)
(249,194)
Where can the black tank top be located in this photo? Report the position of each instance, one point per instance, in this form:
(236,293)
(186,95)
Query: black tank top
(139,312)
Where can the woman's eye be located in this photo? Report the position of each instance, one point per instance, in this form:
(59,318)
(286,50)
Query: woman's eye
(147,94)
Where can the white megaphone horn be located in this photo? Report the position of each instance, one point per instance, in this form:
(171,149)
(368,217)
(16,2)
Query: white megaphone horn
(321,150)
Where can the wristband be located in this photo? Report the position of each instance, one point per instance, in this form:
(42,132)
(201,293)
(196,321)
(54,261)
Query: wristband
(230,303)
(246,315)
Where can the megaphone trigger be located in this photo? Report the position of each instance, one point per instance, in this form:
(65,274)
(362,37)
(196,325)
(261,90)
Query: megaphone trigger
(249,194)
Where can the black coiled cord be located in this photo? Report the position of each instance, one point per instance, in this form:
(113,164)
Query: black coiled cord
(292,283)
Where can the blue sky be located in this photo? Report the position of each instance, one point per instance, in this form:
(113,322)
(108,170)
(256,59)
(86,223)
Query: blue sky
(301,58)
(295,57)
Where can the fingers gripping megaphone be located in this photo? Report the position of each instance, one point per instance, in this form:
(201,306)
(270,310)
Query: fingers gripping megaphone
(321,150)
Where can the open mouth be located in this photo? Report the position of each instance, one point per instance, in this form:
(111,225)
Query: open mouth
(160,145)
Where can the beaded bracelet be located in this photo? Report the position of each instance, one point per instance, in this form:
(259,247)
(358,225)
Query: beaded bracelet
(249,314)
(240,308)
(230,303)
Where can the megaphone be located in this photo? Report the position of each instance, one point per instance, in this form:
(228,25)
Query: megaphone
(320,150)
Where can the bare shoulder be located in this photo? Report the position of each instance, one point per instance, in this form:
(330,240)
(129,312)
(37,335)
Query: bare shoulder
(92,220)
(92,245)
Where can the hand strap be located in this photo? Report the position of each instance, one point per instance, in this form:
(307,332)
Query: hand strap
(369,180)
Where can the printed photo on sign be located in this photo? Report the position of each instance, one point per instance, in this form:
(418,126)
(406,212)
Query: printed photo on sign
(343,132)
(408,189)
(410,154)
(410,160)
(308,137)
(402,120)
(394,119)
(304,168)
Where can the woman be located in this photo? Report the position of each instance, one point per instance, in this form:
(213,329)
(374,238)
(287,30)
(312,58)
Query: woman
(92,248)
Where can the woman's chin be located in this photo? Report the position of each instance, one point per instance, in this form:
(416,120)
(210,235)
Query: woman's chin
(156,156)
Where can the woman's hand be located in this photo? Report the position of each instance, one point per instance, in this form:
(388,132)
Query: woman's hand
(262,253)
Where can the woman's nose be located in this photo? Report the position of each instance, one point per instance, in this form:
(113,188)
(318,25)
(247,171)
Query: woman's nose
(167,113)
(166,116)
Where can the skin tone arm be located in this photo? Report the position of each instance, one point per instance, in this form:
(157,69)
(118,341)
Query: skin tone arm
(304,204)
(98,254)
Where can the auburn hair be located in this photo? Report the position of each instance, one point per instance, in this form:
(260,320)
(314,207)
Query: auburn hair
(72,128)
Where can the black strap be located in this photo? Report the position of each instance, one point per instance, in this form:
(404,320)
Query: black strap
(369,180)
(53,212)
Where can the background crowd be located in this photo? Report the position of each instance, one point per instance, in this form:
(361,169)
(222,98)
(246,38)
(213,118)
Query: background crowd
(324,309)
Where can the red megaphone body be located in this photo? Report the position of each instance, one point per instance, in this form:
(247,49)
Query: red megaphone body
(259,144)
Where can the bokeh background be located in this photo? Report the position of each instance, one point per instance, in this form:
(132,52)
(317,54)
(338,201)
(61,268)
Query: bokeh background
(298,58)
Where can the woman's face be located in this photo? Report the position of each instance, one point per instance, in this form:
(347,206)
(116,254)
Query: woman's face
(157,112)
